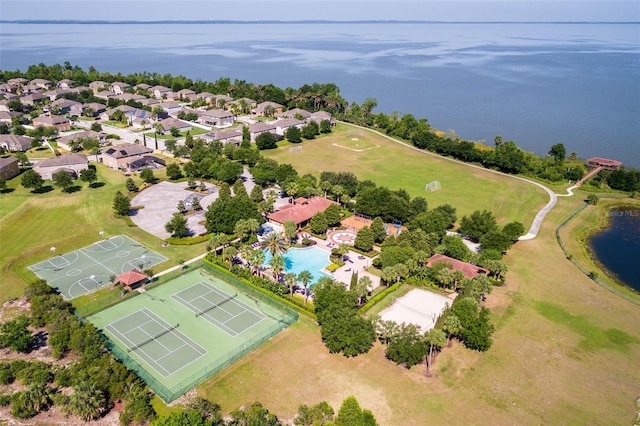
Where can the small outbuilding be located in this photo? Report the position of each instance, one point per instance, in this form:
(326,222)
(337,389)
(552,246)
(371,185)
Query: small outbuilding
(132,280)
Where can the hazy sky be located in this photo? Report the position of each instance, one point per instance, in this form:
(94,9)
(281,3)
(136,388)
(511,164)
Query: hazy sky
(433,10)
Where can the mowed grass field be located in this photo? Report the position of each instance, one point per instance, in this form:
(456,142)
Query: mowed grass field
(30,224)
(565,351)
(372,156)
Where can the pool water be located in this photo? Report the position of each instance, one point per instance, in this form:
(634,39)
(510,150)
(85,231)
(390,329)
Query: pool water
(311,259)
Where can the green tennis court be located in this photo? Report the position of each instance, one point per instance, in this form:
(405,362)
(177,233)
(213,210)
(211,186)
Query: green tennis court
(159,343)
(179,333)
(89,268)
(223,310)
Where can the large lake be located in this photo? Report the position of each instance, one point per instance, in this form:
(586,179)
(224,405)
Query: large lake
(536,84)
(618,246)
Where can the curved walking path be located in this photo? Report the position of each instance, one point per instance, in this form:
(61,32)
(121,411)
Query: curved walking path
(537,220)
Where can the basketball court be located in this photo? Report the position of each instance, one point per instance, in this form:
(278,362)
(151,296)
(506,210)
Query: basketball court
(90,268)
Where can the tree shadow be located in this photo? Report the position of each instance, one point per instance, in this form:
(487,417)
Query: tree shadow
(97,185)
(7,190)
(43,190)
(72,189)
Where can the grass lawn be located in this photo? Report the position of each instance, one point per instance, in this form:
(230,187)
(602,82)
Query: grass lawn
(32,223)
(565,352)
(371,156)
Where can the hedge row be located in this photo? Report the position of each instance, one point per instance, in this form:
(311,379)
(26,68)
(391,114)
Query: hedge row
(263,290)
(187,241)
(378,297)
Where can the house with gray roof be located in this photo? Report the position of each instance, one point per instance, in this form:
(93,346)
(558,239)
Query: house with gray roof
(66,141)
(216,117)
(257,129)
(119,87)
(16,143)
(70,163)
(120,157)
(285,124)
(233,136)
(263,108)
(9,167)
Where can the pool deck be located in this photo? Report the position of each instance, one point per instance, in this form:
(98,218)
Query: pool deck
(355,262)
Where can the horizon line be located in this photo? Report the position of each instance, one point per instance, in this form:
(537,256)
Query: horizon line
(272,21)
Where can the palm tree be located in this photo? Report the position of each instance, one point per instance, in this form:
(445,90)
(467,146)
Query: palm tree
(256,259)
(38,396)
(342,250)
(229,253)
(338,190)
(457,276)
(88,401)
(400,270)
(388,275)
(326,186)
(451,325)
(275,243)
(444,277)
(435,339)
(217,242)
(290,280)
(388,330)
(305,277)
(363,287)
(277,264)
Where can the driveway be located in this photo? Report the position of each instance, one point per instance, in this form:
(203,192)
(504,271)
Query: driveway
(160,202)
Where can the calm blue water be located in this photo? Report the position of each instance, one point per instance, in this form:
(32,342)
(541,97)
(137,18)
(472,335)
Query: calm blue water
(311,259)
(618,246)
(536,84)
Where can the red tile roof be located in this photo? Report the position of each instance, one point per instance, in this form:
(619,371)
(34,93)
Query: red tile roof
(467,269)
(131,277)
(301,211)
(605,161)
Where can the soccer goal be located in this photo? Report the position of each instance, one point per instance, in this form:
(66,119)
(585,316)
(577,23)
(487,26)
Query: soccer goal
(433,186)
(295,149)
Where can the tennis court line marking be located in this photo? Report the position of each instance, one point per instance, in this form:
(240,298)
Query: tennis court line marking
(98,262)
(220,324)
(151,361)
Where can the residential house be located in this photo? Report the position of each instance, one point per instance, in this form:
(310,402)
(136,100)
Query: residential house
(17,82)
(6,117)
(300,211)
(216,117)
(186,94)
(65,141)
(208,97)
(141,88)
(171,123)
(149,101)
(232,136)
(161,92)
(242,105)
(320,116)
(469,270)
(16,142)
(6,87)
(268,109)
(33,99)
(70,163)
(286,123)
(42,83)
(257,129)
(120,157)
(220,100)
(56,93)
(8,96)
(98,86)
(126,97)
(65,84)
(119,87)
(297,113)
(63,106)
(104,94)
(9,168)
(30,88)
(62,124)
(92,109)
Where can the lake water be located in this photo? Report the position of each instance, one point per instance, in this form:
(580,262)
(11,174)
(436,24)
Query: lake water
(536,84)
(618,246)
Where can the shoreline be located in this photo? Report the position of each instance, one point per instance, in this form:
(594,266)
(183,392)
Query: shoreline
(604,276)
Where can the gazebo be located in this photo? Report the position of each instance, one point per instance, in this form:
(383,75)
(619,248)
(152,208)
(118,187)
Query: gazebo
(132,279)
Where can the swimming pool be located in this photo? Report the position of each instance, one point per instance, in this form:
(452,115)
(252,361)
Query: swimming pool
(311,259)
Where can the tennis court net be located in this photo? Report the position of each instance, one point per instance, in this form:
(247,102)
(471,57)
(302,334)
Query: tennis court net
(144,342)
(215,305)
